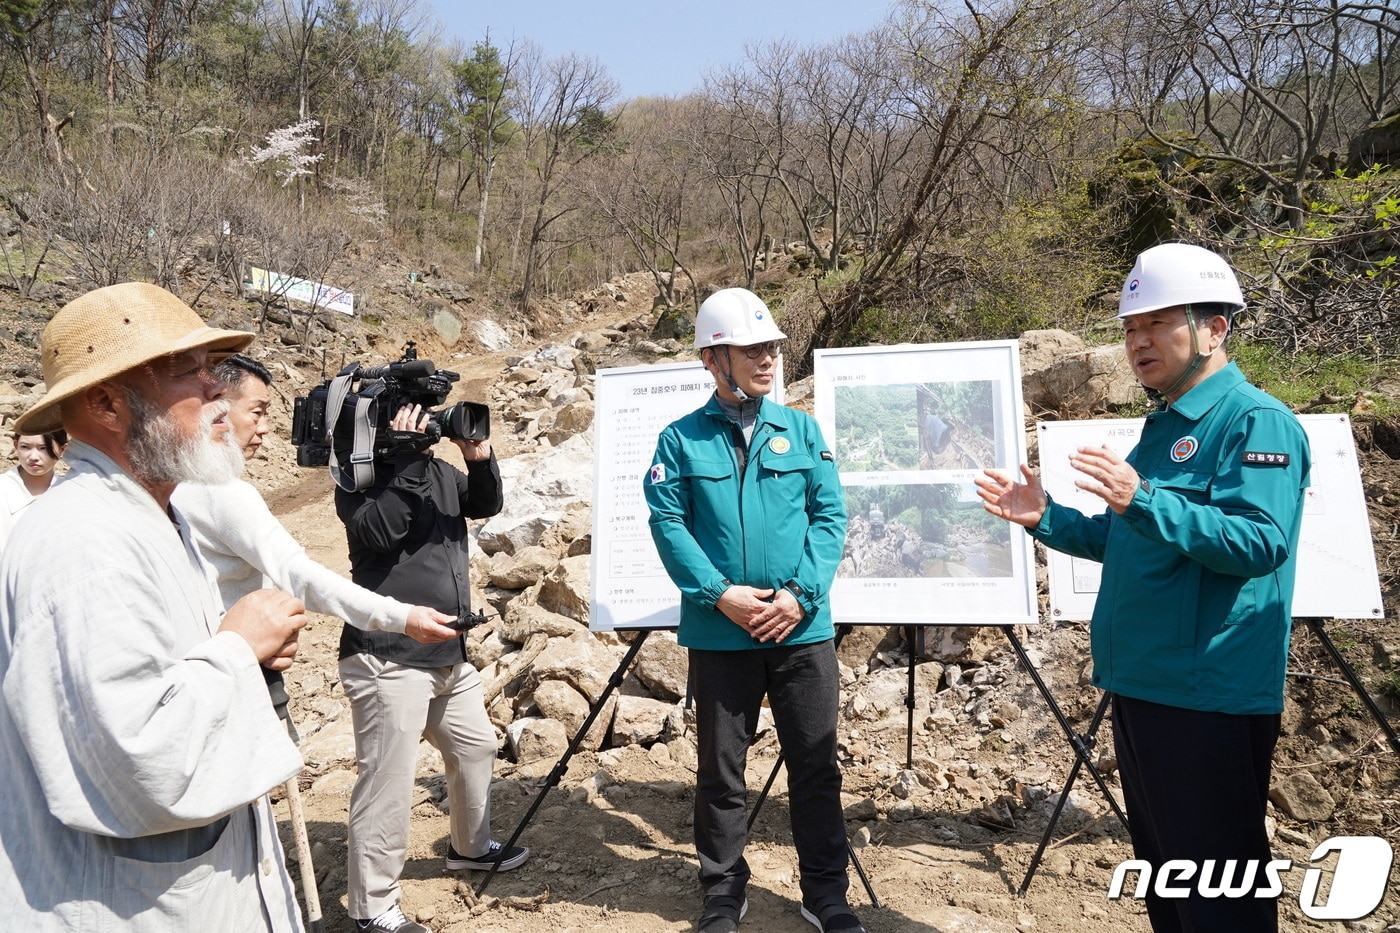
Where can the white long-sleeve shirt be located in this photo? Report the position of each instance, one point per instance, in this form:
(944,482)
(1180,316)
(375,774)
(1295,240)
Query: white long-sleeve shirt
(14,499)
(128,729)
(249,548)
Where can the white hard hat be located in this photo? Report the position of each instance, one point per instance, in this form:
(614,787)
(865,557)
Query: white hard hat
(1178,274)
(734,317)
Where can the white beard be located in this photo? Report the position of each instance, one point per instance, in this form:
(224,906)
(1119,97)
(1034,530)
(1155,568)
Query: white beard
(162,454)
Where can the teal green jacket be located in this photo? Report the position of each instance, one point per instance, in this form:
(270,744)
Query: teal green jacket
(1195,606)
(782,520)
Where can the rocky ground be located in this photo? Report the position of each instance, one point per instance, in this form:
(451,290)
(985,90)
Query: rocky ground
(944,817)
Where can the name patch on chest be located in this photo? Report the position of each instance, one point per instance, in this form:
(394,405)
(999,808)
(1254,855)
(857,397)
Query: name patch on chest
(1263,458)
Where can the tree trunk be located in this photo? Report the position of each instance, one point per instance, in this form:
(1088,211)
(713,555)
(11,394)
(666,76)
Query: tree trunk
(481,213)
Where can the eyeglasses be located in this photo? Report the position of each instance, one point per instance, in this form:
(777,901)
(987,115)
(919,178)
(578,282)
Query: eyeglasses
(773,348)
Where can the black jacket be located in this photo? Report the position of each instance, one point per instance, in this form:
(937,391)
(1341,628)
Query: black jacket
(408,539)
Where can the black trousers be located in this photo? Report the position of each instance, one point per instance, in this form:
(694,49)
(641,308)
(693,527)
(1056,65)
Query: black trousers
(803,688)
(1196,785)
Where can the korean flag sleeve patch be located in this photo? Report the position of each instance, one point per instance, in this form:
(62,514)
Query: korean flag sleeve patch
(658,474)
(1265,458)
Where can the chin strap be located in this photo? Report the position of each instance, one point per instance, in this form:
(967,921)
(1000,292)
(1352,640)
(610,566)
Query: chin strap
(727,371)
(1198,359)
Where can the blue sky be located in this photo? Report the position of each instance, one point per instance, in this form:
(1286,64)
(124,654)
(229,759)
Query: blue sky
(656,48)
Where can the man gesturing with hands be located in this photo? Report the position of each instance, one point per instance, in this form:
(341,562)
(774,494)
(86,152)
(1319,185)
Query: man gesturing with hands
(1199,544)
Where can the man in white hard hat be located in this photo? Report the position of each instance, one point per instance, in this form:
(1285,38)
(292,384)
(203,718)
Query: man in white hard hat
(749,519)
(137,741)
(1199,544)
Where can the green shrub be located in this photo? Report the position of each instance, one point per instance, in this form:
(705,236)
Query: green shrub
(1301,378)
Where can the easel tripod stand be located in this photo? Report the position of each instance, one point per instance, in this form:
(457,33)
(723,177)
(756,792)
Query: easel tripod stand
(561,767)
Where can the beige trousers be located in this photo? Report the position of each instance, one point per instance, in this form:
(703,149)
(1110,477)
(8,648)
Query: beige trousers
(393,706)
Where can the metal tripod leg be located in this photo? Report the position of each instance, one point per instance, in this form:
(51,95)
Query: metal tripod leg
(1356,684)
(1088,739)
(1081,745)
(561,767)
(841,633)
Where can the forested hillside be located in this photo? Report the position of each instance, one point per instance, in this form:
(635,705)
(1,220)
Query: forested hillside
(963,170)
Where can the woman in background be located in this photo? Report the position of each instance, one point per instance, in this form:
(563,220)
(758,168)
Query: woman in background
(37,454)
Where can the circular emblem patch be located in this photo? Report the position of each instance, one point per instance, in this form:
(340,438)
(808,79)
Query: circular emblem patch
(1185,448)
(1133,285)
(779,445)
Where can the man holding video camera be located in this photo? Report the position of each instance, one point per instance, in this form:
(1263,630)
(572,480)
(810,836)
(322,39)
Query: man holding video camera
(408,539)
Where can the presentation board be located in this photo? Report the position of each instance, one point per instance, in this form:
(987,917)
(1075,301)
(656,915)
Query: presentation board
(1337,576)
(911,428)
(632,405)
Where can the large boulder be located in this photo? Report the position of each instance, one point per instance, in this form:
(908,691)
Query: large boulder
(1086,382)
(447,325)
(663,666)
(536,739)
(572,534)
(566,589)
(557,700)
(1303,798)
(580,661)
(1377,144)
(523,568)
(571,419)
(639,720)
(540,489)
(1043,348)
(491,335)
(525,617)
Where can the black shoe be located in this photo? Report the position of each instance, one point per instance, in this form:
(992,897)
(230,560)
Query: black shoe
(494,853)
(834,917)
(722,913)
(391,921)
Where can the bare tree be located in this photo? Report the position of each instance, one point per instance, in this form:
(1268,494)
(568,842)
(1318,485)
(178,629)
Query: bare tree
(144,216)
(285,244)
(36,32)
(734,160)
(647,190)
(1274,87)
(564,118)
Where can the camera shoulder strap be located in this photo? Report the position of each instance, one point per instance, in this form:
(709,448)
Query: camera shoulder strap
(359,473)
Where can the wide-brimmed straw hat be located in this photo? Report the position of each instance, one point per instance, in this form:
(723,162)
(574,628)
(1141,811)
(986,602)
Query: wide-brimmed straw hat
(111,330)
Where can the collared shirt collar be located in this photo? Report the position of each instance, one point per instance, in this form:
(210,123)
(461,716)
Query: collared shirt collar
(765,405)
(1202,397)
(86,459)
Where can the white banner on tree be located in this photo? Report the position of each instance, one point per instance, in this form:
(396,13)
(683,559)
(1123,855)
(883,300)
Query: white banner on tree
(1337,576)
(911,428)
(316,294)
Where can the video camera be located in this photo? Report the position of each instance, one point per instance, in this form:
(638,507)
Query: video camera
(344,422)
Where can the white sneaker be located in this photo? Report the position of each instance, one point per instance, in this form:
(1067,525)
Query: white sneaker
(391,921)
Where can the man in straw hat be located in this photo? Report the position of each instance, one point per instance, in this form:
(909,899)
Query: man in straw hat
(137,743)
